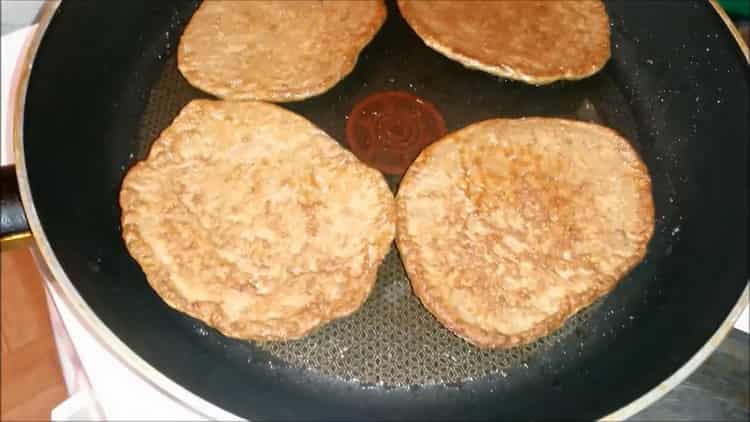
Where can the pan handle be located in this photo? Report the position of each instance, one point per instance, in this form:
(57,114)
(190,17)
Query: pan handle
(14,229)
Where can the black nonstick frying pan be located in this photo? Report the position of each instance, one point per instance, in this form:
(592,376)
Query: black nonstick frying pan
(101,82)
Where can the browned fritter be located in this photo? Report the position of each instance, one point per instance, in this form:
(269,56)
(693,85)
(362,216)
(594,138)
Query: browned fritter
(537,42)
(509,227)
(250,218)
(283,50)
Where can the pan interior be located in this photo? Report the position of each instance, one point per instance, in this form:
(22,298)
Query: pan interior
(678,91)
(393,340)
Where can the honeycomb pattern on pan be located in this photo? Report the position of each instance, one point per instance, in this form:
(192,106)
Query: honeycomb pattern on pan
(392,340)
(168,96)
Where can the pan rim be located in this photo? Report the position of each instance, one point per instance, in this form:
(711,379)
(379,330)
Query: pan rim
(59,280)
(62,285)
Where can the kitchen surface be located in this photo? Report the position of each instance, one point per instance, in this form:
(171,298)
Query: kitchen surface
(47,358)
(32,382)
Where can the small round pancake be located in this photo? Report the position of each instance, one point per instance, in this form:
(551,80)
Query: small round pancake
(537,42)
(278,51)
(250,218)
(509,226)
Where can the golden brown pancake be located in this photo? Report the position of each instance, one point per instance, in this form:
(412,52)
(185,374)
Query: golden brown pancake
(508,227)
(537,42)
(279,51)
(250,218)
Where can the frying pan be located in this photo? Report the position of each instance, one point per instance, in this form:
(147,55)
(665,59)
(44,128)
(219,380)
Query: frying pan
(100,82)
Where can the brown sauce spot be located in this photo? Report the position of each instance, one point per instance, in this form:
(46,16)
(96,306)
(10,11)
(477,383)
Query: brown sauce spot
(388,130)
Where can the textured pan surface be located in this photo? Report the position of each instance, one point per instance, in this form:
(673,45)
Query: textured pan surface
(393,340)
(250,218)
